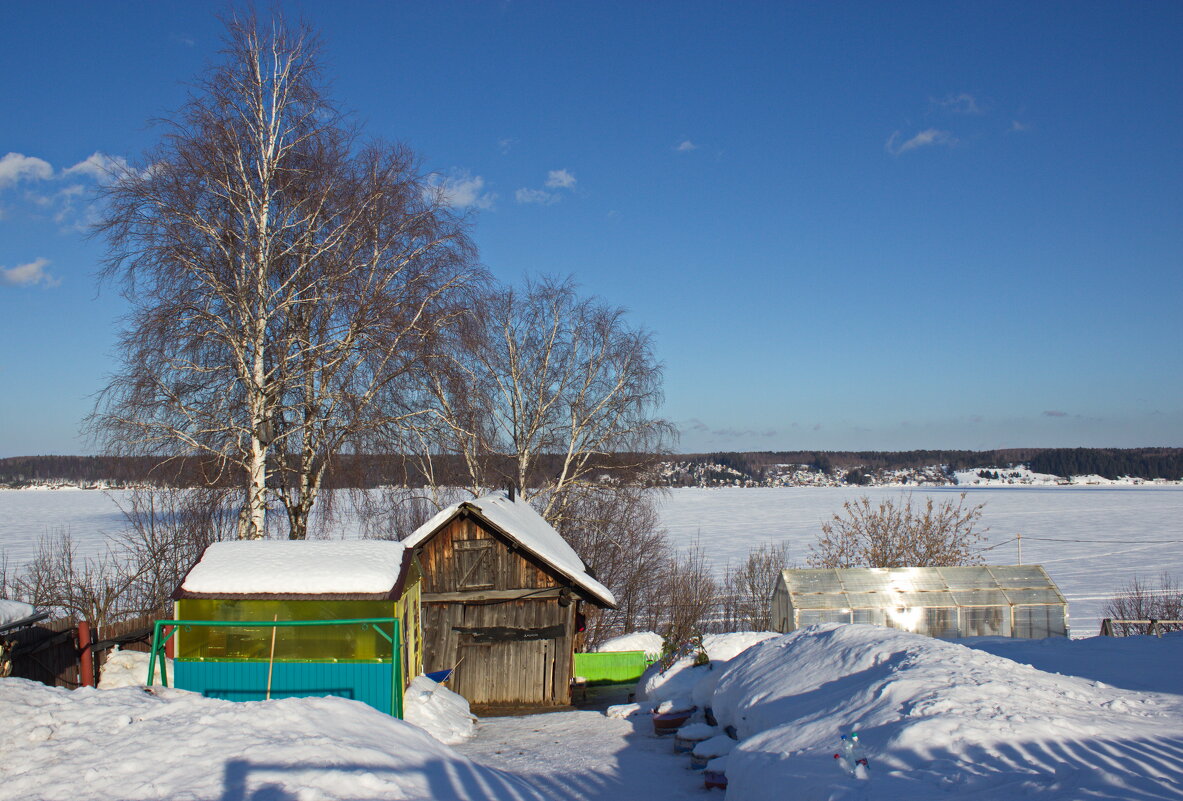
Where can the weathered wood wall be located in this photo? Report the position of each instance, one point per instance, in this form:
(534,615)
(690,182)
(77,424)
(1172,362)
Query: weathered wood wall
(500,615)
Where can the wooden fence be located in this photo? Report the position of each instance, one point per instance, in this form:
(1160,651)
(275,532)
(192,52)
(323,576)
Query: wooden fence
(1111,627)
(69,653)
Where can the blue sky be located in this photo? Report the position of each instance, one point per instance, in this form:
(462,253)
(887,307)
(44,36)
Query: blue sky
(849,225)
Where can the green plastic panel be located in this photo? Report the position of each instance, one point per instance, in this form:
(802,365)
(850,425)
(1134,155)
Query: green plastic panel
(611,668)
(305,644)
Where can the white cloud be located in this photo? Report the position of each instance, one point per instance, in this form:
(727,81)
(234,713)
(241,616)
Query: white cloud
(925,138)
(99,166)
(685,146)
(963,103)
(1018,127)
(16,167)
(560,179)
(505,145)
(539,196)
(29,274)
(462,191)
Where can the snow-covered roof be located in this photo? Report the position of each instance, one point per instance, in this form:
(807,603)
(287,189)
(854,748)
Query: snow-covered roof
(517,520)
(874,587)
(12,611)
(296,567)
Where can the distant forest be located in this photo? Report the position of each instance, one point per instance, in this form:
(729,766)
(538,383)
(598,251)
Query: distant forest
(348,471)
(1147,463)
(375,470)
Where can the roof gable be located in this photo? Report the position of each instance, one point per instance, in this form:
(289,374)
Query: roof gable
(519,522)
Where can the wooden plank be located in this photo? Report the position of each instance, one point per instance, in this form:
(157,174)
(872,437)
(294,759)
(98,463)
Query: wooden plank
(512,594)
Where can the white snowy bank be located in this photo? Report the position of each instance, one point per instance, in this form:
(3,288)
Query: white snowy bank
(936,719)
(170,744)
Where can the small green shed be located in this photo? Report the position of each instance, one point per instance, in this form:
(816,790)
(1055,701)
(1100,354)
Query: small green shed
(260,619)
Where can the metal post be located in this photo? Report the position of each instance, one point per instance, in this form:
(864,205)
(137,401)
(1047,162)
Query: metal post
(155,649)
(1020,539)
(85,654)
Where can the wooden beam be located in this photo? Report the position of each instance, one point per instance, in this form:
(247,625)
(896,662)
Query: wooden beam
(476,596)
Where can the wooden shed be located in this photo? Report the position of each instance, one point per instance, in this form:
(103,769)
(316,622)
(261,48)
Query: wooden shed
(502,593)
(302,618)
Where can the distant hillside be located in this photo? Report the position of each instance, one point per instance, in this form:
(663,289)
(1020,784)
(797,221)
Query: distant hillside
(762,468)
(798,468)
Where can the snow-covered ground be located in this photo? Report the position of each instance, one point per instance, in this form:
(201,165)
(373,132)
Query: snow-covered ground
(1090,539)
(1056,720)
(170,744)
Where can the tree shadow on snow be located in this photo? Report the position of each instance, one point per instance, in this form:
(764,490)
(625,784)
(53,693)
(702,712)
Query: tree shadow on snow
(1100,769)
(447,780)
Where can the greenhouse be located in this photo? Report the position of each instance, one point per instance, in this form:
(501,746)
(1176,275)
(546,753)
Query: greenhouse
(948,602)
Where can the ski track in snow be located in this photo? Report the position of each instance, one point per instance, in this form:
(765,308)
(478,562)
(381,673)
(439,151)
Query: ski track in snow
(728,522)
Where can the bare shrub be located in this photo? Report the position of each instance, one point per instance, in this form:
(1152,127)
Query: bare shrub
(61,580)
(1138,599)
(167,531)
(693,596)
(747,589)
(899,534)
(616,531)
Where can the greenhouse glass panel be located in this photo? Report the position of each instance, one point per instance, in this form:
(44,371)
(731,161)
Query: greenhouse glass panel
(1033,597)
(924,599)
(816,581)
(870,600)
(813,617)
(981,598)
(820,601)
(1020,577)
(916,579)
(1037,622)
(875,617)
(985,621)
(870,581)
(940,622)
(966,578)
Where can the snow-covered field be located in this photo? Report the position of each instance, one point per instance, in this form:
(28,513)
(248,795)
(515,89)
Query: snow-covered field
(1090,539)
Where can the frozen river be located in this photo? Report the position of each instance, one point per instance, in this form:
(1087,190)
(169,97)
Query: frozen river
(1090,540)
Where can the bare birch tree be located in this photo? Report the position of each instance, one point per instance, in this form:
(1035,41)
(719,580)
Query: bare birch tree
(550,393)
(279,275)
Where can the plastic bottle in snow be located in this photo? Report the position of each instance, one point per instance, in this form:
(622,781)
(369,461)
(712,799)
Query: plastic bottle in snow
(850,757)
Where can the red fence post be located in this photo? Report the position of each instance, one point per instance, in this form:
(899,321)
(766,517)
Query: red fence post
(170,646)
(86,656)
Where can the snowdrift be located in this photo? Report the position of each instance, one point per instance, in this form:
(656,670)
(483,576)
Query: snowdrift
(936,720)
(132,744)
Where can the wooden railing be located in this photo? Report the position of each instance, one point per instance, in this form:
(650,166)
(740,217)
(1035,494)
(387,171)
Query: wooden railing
(1155,627)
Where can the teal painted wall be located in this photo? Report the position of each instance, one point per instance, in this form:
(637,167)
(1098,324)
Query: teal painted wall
(369,683)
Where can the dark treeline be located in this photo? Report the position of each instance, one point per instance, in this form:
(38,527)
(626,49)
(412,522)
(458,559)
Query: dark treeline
(353,471)
(1111,463)
(1147,463)
(346,472)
